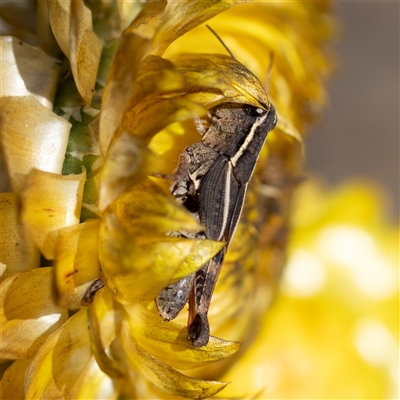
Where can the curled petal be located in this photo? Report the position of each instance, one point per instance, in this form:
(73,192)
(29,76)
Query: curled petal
(76,262)
(128,161)
(255,30)
(163,339)
(147,209)
(148,20)
(71,23)
(119,84)
(223,73)
(132,233)
(27,71)
(150,116)
(161,375)
(116,248)
(17,251)
(85,50)
(12,382)
(50,202)
(155,75)
(122,75)
(127,10)
(205,80)
(38,140)
(202,252)
(121,252)
(28,313)
(181,17)
(93,383)
(103,332)
(166,261)
(59,14)
(170,109)
(154,114)
(60,360)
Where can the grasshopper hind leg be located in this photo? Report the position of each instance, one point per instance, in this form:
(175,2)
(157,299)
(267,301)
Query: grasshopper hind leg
(173,298)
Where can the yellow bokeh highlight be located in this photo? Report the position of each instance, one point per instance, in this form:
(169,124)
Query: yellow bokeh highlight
(333,329)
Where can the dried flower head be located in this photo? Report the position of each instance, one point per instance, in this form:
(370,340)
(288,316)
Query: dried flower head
(82,135)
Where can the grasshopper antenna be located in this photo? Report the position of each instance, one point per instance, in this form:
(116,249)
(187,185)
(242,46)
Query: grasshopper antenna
(221,41)
(269,70)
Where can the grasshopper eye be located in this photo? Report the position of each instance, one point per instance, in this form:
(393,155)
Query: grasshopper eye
(254,111)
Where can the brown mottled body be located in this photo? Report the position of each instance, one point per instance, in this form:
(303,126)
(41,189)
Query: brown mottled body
(211,182)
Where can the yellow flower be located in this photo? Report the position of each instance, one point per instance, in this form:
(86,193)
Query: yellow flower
(80,139)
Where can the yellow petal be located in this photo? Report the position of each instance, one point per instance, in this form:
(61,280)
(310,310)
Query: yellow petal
(121,252)
(12,382)
(254,30)
(27,71)
(127,11)
(161,375)
(116,250)
(168,341)
(122,75)
(17,252)
(181,17)
(147,119)
(136,256)
(165,261)
(76,262)
(85,50)
(123,245)
(50,202)
(155,75)
(37,140)
(71,23)
(103,332)
(92,383)
(146,209)
(148,20)
(59,15)
(224,73)
(199,80)
(128,161)
(60,360)
(28,313)
(154,114)
(202,252)
(120,79)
